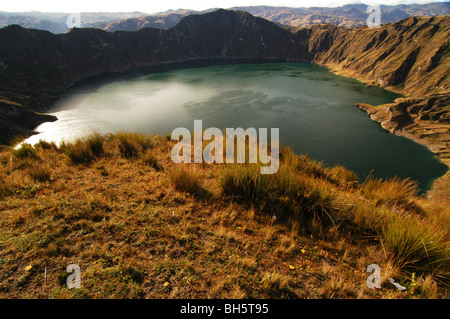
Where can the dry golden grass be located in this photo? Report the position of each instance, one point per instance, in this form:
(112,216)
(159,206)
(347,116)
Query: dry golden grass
(39,172)
(133,144)
(84,151)
(148,158)
(185,179)
(390,192)
(137,231)
(343,176)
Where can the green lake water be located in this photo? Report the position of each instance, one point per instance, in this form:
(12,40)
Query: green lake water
(313,108)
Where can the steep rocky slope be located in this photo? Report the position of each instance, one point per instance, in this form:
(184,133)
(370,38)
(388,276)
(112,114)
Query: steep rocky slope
(396,56)
(410,57)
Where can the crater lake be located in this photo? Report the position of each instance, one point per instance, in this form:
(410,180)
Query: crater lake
(313,108)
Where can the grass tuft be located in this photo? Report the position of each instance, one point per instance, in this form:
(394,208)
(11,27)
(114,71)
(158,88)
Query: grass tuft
(418,245)
(5,188)
(25,151)
(289,194)
(84,151)
(390,192)
(342,175)
(131,145)
(185,180)
(275,285)
(47,145)
(150,159)
(39,172)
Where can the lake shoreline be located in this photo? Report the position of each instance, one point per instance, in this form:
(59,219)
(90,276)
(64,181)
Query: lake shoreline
(439,190)
(413,129)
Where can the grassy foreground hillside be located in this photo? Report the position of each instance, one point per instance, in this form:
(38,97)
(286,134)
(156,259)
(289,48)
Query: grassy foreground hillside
(140,226)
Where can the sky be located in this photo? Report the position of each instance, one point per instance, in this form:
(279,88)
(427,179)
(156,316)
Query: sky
(152,6)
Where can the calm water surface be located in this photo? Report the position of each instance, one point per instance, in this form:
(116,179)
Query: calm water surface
(313,108)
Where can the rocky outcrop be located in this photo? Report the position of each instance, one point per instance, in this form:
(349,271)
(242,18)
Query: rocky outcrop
(16,120)
(425,120)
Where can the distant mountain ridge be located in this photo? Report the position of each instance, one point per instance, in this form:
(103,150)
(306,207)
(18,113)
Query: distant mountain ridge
(347,16)
(350,15)
(57,22)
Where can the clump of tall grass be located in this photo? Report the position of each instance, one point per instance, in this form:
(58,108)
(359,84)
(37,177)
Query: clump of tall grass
(436,212)
(185,180)
(342,175)
(275,284)
(5,188)
(150,159)
(47,145)
(418,244)
(5,157)
(302,163)
(391,191)
(289,194)
(247,182)
(365,218)
(95,143)
(39,172)
(85,150)
(133,144)
(25,151)
(311,167)
(78,152)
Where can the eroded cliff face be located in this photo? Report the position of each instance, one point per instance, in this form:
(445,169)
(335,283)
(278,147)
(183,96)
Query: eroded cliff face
(425,120)
(411,57)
